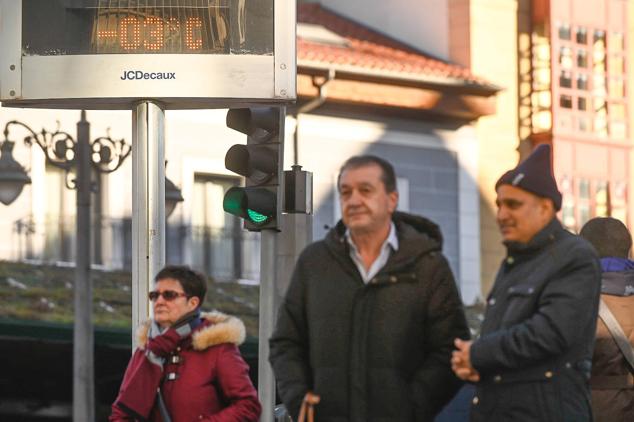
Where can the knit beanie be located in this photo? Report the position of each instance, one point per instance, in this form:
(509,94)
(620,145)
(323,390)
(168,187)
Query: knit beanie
(534,175)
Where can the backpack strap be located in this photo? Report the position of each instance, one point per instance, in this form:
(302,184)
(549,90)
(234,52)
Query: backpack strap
(617,333)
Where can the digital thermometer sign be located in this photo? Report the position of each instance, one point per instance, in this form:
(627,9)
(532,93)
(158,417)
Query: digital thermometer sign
(108,54)
(150,26)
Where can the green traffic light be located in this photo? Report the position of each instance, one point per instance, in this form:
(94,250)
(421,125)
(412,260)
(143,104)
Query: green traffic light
(256,217)
(243,202)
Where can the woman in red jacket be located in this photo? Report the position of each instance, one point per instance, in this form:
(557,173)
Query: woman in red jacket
(188,366)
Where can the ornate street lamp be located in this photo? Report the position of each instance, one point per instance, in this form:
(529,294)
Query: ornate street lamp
(13,177)
(84,157)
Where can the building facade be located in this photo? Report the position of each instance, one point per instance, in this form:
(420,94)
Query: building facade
(576,99)
(359,91)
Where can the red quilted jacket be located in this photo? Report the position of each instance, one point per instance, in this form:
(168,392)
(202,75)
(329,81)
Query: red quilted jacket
(205,379)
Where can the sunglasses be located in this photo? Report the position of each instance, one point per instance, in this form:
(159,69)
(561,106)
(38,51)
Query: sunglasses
(168,295)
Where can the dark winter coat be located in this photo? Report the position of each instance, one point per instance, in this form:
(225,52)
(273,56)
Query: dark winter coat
(535,349)
(211,381)
(612,379)
(375,352)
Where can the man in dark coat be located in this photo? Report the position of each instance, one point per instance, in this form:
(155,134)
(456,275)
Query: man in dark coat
(532,361)
(612,379)
(368,320)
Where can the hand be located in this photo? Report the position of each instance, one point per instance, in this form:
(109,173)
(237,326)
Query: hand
(307,411)
(163,344)
(461,361)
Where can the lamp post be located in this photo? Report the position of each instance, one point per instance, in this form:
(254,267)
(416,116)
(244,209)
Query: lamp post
(102,155)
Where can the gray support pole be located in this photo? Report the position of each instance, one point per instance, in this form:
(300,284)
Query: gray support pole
(83,369)
(268,308)
(148,203)
(279,253)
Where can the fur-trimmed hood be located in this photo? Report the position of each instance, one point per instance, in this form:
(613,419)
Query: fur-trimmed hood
(217,328)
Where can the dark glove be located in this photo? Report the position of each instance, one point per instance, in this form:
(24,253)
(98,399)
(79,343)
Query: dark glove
(163,344)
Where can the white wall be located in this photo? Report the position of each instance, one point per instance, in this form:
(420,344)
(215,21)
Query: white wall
(423,24)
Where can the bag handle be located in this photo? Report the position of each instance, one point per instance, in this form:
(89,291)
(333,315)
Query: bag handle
(617,333)
(307,411)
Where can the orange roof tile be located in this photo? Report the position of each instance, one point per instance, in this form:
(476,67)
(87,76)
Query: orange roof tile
(370,50)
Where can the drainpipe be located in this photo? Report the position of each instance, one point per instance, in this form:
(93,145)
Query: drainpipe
(308,107)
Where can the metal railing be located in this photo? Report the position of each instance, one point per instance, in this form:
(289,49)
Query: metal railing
(226,254)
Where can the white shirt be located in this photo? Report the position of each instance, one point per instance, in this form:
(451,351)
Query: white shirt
(390,244)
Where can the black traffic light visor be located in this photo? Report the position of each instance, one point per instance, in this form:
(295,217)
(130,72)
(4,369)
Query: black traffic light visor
(258,162)
(250,121)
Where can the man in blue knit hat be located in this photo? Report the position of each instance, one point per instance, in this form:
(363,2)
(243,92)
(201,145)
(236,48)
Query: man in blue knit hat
(532,360)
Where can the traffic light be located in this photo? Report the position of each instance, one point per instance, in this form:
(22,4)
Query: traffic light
(260,161)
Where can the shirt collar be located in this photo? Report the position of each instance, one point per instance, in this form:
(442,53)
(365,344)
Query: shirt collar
(392,238)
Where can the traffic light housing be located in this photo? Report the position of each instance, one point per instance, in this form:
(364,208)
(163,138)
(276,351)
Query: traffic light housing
(260,161)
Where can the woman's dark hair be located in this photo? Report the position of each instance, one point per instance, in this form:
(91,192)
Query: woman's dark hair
(194,283)
(609,237)
(388,176)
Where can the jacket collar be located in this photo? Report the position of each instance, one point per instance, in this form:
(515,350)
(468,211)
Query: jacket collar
(417,236)
(216,328)
(545,236)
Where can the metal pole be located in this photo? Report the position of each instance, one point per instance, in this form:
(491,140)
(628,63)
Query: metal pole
(148,203)
(279,253)
(83,372)
(268,277)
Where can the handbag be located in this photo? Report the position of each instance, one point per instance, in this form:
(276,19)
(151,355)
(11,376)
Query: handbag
(307,411)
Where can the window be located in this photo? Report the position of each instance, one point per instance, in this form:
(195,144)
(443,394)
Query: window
(615,42)
(598,84)
(565,57)
(615,65)
(618,201)
(581,103)
(582,58)
(565,80)
(583,124)
(600,125)
(618,129)
(617,90)
(617,111)
(564,31)
(582,35)
(584,201)
(565,101)
(582,82)
(601,200)
(599,38)
(568,205)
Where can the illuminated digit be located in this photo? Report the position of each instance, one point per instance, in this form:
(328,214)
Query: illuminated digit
(130,39)
(154,31)
(193,34)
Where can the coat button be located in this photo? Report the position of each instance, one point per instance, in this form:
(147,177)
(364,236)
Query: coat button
(510,260)
(393,279)
(475,400)
(568,365)
(492,301)
(497,378)
(548,374)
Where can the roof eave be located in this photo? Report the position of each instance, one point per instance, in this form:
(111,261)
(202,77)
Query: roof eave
(318,68)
